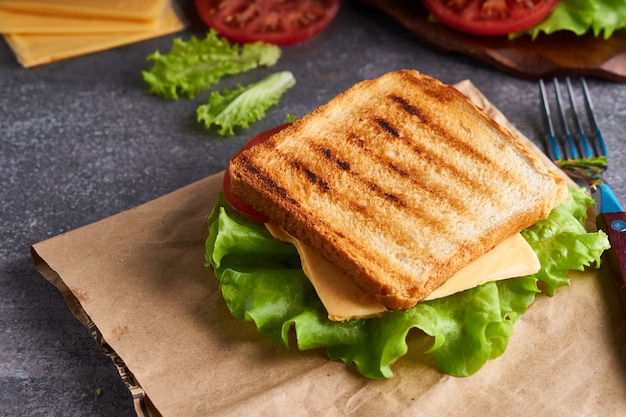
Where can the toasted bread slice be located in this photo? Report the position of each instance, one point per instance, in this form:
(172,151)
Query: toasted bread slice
(399,182)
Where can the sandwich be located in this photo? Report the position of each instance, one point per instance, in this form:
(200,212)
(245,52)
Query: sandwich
(386,185)
(397,186)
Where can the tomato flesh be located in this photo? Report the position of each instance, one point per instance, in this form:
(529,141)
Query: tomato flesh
(490,17)
(280,22)
(237,203)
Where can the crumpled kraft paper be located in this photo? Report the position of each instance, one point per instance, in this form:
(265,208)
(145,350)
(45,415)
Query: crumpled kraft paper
(137,280)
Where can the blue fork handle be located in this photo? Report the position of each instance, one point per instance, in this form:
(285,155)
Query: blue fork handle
(609,201)
(614,225)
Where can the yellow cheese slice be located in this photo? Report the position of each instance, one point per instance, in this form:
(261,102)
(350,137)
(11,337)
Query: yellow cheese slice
(38,49)
(121,9)
(339,294)
(344,300)
(26,23)
(513,257)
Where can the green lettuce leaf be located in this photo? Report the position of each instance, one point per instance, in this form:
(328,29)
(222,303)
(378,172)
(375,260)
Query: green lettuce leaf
(196,64)
(262,282)
(602,17)
(244,105)
(562,243)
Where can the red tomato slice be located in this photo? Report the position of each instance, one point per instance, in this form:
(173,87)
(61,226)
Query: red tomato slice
(490,17)
(238,204)
(273,21)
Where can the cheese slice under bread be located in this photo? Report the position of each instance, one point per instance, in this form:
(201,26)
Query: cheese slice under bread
(399,182)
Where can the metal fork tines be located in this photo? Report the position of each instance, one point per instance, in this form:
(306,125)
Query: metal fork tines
(584,158)
(581,155)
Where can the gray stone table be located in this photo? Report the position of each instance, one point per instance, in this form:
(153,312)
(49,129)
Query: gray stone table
(82,139)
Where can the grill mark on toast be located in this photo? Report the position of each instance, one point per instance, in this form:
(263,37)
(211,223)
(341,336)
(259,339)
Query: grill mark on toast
(387,126)
(460,176)
(307,169)
(258,172)
(312,176)
(429,88)
(432,88)
(482,160)
(344,165)
(375,190)
(392,198)
(456,203)
(403,173)
(406,106)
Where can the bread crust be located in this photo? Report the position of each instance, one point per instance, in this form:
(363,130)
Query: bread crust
(399,181)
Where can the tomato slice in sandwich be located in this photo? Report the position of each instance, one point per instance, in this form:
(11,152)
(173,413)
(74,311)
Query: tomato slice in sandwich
(490,17)
(237,203)
(271,21)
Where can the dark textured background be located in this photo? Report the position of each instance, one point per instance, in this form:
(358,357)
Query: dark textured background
(82,139)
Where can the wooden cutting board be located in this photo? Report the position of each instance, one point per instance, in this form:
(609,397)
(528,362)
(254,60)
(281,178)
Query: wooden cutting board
(559,54)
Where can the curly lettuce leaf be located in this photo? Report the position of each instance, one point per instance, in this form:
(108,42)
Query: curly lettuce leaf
(261,281)
(245,104)
(196,64)
(562,243)
(602,17)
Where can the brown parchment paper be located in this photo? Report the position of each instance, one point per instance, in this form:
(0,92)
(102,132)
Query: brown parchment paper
(137,281)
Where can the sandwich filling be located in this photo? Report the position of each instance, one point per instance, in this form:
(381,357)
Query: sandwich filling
(262,281)
(344,300)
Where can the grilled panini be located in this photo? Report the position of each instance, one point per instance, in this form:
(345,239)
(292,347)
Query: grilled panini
(399,182)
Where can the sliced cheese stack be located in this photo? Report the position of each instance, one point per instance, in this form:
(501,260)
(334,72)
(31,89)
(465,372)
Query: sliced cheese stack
(44,31)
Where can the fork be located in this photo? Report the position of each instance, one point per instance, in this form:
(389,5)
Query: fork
(584,158)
